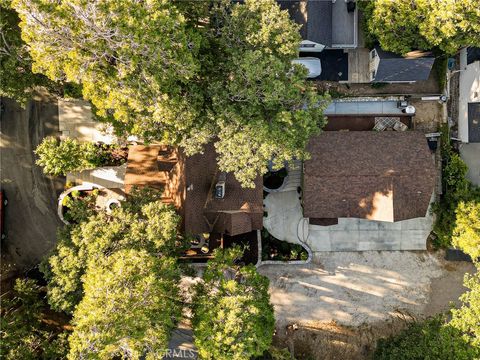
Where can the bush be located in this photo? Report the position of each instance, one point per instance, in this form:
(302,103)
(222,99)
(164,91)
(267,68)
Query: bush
(457,189)
(431,339)
(59,157)
(440,70)
(274,249)
(466,318)
(466,233)
(79,208)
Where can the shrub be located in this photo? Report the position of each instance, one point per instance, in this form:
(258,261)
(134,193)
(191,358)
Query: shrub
(466,319)
(79,208)
(431,339)
(466,233)
(457,189)
(58,157)
(440,70)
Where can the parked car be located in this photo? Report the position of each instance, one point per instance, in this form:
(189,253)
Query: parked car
(3,204)
(312,64)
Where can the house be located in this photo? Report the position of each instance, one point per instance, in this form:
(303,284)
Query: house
(383,176)
(389,67)
(469,111)
(361,190)
(208,200)
(325,24)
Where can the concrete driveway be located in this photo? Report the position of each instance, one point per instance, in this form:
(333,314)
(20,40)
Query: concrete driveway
(285,221)
(31,220)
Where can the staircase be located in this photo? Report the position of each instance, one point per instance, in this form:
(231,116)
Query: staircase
(294,179)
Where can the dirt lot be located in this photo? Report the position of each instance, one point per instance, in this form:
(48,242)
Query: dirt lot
(343,302)
(429,115)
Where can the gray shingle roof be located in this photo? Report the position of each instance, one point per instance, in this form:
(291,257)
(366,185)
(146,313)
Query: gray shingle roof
(473,54)
(315,16)
(415,66)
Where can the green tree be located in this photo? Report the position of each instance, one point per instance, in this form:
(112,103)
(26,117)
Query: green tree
(457,189)
(23,335)
(402,26)
(131,304)
(430,339)
(153,229)
(133,59)
(17,81)
(466,234)
(450,24)
(466,319)
(264,107)
(184,74)
(395,24)
(58,157)
(232,315)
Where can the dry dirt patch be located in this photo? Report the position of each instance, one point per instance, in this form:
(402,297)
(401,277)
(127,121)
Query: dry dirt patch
(344,301)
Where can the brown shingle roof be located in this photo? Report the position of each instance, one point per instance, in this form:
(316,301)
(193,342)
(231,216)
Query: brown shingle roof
(201,175)
(188,182)
(386,176)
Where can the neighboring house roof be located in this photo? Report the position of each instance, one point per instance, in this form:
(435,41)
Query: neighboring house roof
(414,66)
(384,176)
(188,183)
(314,16)
(473,54)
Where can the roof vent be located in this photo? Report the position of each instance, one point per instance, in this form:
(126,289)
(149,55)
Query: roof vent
(220,186)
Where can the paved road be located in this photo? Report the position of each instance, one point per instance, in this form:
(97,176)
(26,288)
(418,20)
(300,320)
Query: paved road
(31,219)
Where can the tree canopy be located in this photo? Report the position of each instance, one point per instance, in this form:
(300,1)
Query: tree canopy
(153,228)
(181,74)
(232,315)
(466,234)
(23,334)
(131,304)
(466,319)
(402,26)
(17,81)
